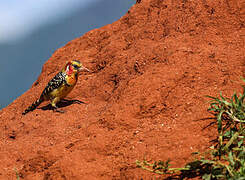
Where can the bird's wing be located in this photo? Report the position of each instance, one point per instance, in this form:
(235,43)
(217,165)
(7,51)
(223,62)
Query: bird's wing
(54,83)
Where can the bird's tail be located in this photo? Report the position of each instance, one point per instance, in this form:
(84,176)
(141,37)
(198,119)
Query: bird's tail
(34,105)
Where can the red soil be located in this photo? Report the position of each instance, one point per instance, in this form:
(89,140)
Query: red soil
(145,96)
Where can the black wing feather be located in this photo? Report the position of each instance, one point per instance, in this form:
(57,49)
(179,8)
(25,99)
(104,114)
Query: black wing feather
(54,83)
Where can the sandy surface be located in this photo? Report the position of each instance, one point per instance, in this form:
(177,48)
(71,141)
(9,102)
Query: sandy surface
(151,71)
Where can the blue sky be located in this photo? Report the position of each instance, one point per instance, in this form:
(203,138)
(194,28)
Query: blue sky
(18,18)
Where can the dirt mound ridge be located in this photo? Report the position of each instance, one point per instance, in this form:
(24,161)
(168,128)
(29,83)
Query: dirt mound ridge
(145,97)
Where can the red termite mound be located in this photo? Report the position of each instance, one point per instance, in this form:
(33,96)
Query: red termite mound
(151,71)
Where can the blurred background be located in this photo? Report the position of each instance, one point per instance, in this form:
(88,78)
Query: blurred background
(30,31)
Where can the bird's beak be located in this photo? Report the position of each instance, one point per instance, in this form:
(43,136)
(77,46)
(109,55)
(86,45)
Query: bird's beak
(84,69)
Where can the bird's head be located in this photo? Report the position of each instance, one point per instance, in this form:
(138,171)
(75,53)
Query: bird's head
(74,66)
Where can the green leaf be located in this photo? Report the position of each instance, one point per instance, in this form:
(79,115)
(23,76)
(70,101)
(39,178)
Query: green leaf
(240,143)
(206,177)
(231,158)
(219,120)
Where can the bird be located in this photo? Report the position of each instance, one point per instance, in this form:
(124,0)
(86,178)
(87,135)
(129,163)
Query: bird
(59,86)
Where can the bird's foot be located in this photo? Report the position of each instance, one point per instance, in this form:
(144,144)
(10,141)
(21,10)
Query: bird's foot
(55,109)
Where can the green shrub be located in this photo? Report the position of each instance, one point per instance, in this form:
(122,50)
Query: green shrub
(226,159)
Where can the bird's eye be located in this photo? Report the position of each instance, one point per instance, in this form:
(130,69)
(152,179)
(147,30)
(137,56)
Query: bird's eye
(75,66)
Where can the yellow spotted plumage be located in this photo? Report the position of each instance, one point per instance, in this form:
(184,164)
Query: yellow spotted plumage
(60,85)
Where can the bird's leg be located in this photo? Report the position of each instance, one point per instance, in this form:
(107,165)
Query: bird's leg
(54,107)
